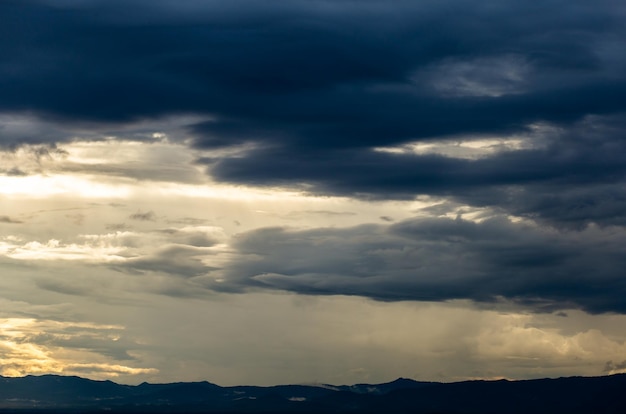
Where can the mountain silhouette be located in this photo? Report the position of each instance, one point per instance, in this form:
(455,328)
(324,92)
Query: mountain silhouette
(55,394)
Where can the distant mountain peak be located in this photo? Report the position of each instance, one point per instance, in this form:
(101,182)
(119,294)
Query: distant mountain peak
(402,380)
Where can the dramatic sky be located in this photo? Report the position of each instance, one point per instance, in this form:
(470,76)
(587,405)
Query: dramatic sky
(300,191)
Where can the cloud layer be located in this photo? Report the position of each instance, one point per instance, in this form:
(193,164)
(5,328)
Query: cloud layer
(312,88)
(157,155)
(438,260)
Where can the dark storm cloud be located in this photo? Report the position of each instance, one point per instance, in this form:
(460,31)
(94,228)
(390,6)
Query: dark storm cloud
(314,86)
(576,176)
(322,83)
(340,74)
(438,259)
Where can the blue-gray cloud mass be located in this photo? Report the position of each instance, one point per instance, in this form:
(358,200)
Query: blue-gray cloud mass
(314,87)
(438,259)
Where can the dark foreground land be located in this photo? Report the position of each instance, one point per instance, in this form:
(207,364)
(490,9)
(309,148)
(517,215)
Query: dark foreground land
(51,394)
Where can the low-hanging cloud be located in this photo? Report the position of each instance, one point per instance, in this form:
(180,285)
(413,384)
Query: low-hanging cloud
(438,259)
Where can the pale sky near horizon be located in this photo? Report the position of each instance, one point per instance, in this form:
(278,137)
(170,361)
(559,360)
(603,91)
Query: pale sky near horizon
(311,191)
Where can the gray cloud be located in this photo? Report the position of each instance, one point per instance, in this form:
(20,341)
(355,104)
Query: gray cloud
(13,172)
(9,220)
(611,366)
(177,260)
(438,260)
(117,226)
(195,237)
(192,221)
(147,216)
(110,343)
(65,287)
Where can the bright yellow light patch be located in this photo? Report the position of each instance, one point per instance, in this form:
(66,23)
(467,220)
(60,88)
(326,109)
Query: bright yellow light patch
(20,354)
(43,186)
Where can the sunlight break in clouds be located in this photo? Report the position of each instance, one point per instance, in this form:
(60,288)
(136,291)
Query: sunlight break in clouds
(29,346)
(115,169)
(39,187)
(56,250)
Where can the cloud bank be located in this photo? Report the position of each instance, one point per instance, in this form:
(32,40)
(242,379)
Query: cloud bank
(164,155)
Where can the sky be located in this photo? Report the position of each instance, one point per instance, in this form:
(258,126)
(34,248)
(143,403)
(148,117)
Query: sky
(312,191)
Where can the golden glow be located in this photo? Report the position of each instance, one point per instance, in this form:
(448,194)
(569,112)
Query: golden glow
(20,354)
(40,187)
(98,187)
(43,186)
(113,169)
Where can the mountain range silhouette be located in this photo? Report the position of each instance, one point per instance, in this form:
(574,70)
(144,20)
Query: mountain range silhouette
(56,394)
